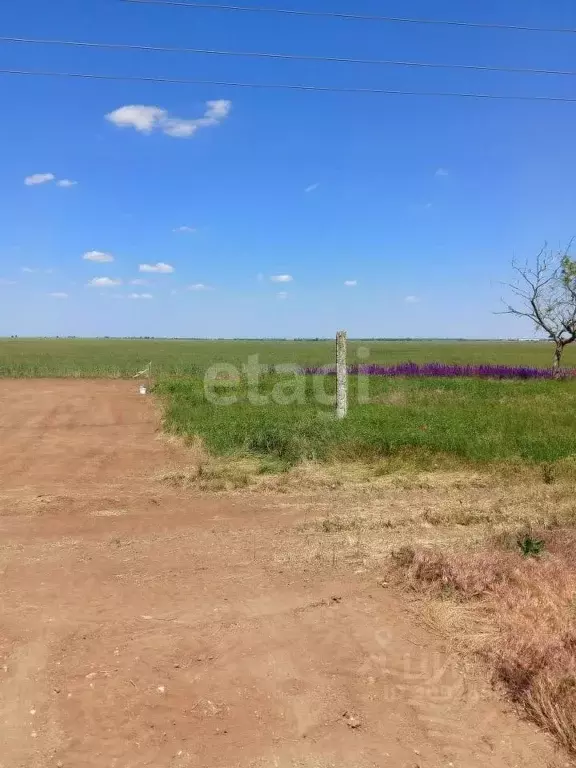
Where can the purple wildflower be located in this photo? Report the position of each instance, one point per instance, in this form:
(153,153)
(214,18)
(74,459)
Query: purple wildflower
(443,370)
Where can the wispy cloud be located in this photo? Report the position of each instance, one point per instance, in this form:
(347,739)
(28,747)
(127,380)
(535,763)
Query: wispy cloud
(36,270)
(282,295)
(4,281)
(100,256)
(198,287)
(158,267)
(140,296)
(147,119)
(58,295)
(441,172)
(139,281)
(217,109)
(104,282)
(38,178)
(65,183)
(351,283)
(312,187)
(184,229)
(411,299)
(281,278)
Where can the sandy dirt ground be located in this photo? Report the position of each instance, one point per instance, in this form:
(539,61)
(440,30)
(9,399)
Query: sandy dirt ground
(146,625)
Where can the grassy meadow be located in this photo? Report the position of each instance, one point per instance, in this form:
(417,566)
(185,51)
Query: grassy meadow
(473,419)
(91,358)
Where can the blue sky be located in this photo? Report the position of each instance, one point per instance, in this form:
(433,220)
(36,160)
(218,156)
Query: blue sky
(422,202)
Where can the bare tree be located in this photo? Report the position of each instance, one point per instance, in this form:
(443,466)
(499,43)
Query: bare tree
(546,294)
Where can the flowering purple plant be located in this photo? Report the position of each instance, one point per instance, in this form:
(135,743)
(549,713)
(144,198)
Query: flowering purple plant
(444,370)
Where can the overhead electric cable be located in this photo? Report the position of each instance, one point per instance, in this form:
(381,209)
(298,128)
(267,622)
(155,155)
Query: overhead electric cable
(283,56)
(353,16)
(289,86)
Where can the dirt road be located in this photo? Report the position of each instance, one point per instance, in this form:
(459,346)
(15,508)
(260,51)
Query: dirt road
(142,625)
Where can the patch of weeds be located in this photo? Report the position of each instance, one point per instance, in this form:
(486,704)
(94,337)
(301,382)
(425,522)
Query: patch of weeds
(403,557)
(271,466)
(336,524)
(531,547)
(462,517)
(383,469)
(221,478)
(548,473)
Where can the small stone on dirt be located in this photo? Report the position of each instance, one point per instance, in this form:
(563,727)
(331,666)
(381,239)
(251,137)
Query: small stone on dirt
(352,721)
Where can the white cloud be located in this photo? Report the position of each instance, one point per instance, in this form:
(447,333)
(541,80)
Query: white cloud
(66,183)
(38,178)
(99,256)
(137,116)
(104,282)
(3,281)
(159,267)
(58,295)
(184,229)
(351,283)
(282,295)
(178,128)
(198,287)
(35,270)
(441,172)
(139,281)
(312,187)
(411,299)
(281,278)
(29,269)
(218,109)
(140,296)
(147,119)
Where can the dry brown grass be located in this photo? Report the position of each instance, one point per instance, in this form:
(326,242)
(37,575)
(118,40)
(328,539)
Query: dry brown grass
(518,613)
(454,530)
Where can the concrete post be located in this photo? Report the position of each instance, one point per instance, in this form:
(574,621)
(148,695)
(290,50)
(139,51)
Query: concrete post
(341,376)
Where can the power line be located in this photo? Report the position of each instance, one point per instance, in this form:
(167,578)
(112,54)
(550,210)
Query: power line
(353,16)
(288,86)
(285,56)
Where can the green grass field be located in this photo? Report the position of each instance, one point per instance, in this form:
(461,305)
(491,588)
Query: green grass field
(123,357)
(475,420)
